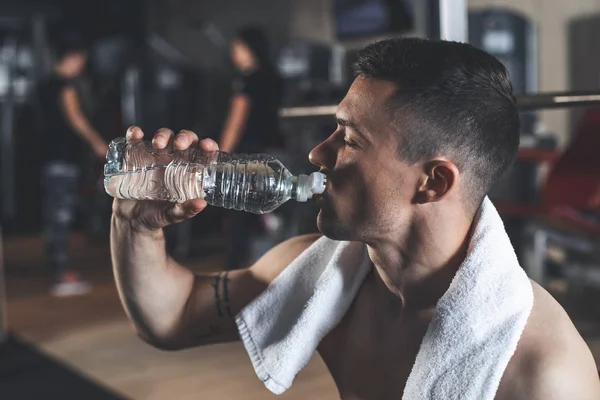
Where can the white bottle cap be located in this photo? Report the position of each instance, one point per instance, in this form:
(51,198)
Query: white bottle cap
(317,182)
(309,185)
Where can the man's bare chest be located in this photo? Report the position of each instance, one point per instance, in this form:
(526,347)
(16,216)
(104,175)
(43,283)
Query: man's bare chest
(369,355)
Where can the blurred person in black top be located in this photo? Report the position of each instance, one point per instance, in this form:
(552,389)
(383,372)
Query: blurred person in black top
(252,125)
(66,131)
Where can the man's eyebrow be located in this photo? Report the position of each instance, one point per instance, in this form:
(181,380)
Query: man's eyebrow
(345,122)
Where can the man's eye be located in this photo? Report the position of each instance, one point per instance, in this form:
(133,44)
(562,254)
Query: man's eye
(349,143)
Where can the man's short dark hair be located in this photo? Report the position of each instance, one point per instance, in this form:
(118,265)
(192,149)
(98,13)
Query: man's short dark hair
(452,99)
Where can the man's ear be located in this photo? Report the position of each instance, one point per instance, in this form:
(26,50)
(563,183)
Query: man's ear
(439,178)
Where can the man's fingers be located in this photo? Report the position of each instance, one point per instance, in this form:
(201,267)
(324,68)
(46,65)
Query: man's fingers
(182,141)
(194,206)
(185,139)
(175,214)
(134,133)
(162,137)
(179,212)
(208,145)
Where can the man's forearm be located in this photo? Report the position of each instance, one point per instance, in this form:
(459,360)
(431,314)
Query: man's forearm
(153,288)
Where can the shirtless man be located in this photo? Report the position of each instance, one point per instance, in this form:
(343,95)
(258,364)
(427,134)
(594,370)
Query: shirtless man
(423,133)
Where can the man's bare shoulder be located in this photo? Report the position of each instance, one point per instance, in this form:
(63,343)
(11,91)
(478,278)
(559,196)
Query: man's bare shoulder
(552,361)
(269,266)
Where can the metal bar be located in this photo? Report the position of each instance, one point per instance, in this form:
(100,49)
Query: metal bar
(9,205)
(525,102)
(130,97)
(534,256)
(454,23)
(558,100)
(40,46)
(310,111)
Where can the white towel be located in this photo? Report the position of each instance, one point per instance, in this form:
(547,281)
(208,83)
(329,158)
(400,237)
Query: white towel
(474,332)
(282,328)
(478,321)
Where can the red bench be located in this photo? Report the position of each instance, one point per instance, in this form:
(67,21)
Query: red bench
(570,197)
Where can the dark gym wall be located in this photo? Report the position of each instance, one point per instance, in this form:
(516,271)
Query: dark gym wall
(201,31)
(196,27)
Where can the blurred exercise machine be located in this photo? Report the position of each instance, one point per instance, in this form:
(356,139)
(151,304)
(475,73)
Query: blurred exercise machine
(567,216)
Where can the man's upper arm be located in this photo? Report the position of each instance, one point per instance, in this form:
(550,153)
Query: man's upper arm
(562,369)
(209,315)
(269,266)
(571,376)
(552,361)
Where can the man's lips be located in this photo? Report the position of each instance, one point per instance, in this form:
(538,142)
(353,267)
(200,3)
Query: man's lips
(320,198)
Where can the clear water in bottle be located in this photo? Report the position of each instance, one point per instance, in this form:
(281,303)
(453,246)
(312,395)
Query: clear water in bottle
(254,183)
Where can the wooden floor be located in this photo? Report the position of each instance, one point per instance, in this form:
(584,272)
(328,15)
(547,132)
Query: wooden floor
(92,334)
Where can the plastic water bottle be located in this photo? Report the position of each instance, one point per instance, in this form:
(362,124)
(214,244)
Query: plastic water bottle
(255,183)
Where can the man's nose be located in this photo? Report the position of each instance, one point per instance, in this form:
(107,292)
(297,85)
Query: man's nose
(324,154)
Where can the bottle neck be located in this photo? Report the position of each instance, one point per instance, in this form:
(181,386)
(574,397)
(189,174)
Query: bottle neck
(294,193)
(302,188)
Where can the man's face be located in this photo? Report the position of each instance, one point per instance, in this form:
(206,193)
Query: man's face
(369,187)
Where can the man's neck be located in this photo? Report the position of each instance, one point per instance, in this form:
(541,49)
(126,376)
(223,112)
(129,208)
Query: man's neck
(417,269)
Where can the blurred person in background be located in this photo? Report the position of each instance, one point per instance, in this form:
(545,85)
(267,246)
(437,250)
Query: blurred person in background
(252,124)
(66,130)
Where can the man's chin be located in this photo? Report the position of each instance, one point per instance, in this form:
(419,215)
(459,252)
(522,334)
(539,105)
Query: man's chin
(330,228)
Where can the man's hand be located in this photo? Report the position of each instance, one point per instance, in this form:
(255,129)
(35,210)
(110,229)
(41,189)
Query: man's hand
(147,216)
(156,291)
